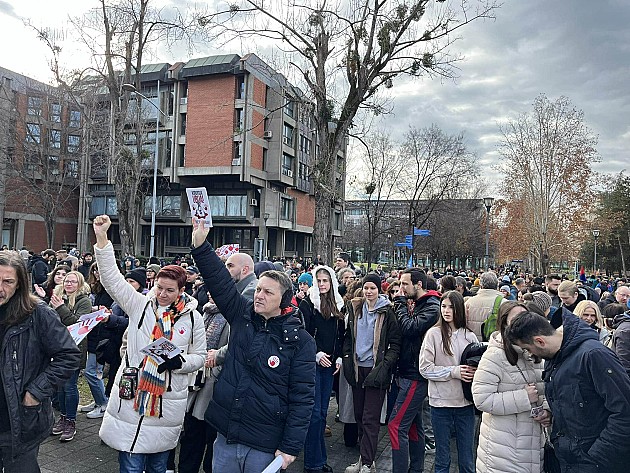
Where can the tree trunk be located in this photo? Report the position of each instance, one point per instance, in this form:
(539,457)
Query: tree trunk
(623,260)
(322,229)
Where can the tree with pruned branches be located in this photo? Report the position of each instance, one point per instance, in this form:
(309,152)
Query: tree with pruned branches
(346,52)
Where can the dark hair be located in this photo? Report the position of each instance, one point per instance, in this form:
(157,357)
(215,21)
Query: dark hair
(527,325)
(459,319)
(502,327)
(174,272)
(328,305)
(431,283)
(344,256)
(417,275)
(549,277)
(448,283)
(22,303)
(280,277)
(352,289)
(50,282)
(95,283)
(613,309)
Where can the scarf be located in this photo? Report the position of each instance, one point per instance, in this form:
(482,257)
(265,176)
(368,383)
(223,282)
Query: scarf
(215,322)
(151,384)
(313,291)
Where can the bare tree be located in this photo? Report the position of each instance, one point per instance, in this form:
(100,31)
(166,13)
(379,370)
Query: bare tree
(548,155)
(346,52)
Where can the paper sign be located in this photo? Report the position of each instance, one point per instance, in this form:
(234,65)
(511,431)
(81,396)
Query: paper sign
(85,325)
(161,349)
(199,204)
(274,466)
(227,250)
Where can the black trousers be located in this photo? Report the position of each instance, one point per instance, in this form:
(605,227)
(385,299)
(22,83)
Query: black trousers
(368,403)
(25,463)
(195,445)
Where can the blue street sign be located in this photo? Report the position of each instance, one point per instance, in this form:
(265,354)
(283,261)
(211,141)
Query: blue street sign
(408,238)
(403,243)
(421,232)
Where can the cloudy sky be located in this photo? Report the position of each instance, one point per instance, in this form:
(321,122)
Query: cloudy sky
(577,48)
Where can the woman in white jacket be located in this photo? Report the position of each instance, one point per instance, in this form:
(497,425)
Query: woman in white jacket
(144,425)
(506,386)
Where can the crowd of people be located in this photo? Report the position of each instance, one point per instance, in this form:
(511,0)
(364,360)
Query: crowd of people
(525,373)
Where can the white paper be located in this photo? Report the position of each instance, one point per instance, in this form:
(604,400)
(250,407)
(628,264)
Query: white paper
(274,466)
(199,204)
(85,325)
(161,349)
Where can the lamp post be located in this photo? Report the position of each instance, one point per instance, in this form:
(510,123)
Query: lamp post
(132,88)
(596,236)
(487,202)
(266,217)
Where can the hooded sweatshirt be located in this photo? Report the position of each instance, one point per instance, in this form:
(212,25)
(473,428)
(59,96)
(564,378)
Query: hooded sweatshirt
(365,332)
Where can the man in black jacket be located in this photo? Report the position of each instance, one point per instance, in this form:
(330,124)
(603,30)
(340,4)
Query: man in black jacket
(37,355)
(405,424)
(262,402)
(587,389)
(39,267)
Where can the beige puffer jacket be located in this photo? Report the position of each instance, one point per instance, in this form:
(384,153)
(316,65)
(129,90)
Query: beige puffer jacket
(510,440)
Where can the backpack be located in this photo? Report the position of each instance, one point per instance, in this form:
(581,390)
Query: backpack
(490,324)
(471,356)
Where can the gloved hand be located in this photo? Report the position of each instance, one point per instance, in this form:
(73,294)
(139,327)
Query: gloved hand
(172,364)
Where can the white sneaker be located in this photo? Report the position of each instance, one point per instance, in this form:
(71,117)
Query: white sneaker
(87,408)
(355,467)
(97,412)
(368,469)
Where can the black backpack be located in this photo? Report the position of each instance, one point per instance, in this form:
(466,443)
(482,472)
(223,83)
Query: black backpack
(471,356)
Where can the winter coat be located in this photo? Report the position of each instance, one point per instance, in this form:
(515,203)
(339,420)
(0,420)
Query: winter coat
(413,327)
(265,393)
(328,334)
(444,371)
(101,331)
(510,441)
(621,339)
(479,307)
(247,286)
(37,355)
(386,346)
(123,429)
(588,392)
(39,270)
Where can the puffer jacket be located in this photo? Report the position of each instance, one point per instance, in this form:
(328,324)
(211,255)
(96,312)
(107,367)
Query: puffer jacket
(37,355)
(413,327)
(386,346)
(621,339)
(265,393)
(510,441)
(123,429)
(588,392)
(479,307)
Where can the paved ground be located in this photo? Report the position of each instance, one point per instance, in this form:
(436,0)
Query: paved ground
(86,453)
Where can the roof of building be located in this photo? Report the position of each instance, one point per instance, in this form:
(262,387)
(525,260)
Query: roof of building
(220,64)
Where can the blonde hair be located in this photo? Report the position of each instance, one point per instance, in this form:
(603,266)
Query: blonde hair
(581,308)
(82,288)
(567,287)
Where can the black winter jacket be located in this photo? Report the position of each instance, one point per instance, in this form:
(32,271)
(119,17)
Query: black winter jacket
(39,270)
(265,392)
(589,395)
(386,346)
(412,328)
(328,334)
(37,355)
(100,332)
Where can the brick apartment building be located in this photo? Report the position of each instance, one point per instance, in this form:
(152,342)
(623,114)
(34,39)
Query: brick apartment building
(40,149)
(240,129)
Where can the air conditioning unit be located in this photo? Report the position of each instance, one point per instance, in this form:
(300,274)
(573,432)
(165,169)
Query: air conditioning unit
(290,173)
(236,162)
(253,202)
(183,100)
(268,134)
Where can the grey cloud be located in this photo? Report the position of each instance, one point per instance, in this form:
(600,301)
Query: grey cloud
(7,9)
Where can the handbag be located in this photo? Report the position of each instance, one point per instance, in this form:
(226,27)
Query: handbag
(550,460)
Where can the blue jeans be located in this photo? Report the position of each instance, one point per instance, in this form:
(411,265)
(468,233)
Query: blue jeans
(315,447)
(238,458)
(68,396)
(462,419)
(405,427)
(142,462)
(94,376)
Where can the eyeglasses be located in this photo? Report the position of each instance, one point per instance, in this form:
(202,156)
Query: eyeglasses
(71,282)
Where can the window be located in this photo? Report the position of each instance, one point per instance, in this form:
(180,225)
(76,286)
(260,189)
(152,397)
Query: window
(287,164)
(228,205)
(286,209)
(305,145)
(179,236)
(103,204)
(238,150)
(55,139)
(240,87)
(242,236)
(303,171)
(71,168)
(340,164)
(53,164)
(33,133)
(55,113)
(289,107)
(74,142)
(287,135)
(165,205)
(238,126)
(75,119)
(337,221)
(289,241)
(183,124)
(34,106)
(308,244)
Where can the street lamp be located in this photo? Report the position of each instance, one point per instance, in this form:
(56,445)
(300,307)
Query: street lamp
(487,202)
(596,236)
(132,88)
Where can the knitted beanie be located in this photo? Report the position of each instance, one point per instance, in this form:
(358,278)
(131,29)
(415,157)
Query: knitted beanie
(154,267)
(139,275)
(505,288)
(373,278)
(542,300)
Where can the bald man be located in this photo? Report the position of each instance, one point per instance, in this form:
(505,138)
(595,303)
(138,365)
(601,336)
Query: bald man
(241,268)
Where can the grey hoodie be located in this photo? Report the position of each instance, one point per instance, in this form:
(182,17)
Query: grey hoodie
(365,332)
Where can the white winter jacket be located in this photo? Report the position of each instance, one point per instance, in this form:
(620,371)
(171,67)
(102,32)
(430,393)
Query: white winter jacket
(510,440)
(122,427)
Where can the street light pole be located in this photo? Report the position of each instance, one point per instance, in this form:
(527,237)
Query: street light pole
(132,88)
(596,236)
(487,202)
